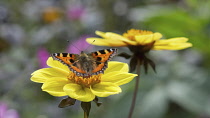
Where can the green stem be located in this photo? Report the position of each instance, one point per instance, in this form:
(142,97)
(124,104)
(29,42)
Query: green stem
(86,106)
(135,91)
(85,115)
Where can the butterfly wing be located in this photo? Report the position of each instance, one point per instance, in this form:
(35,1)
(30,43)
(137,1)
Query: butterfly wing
(69,60)
(102,57)
(65,58)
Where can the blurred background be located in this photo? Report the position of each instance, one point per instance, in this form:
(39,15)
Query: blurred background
(30,30)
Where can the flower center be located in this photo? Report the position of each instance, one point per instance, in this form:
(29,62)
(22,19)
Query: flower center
(133,32)
(86,81)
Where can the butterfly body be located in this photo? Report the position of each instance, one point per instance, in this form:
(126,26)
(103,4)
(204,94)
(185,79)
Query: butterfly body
(86,64)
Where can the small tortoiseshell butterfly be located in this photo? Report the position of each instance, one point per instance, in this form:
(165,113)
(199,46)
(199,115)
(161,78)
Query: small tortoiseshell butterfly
(86,64)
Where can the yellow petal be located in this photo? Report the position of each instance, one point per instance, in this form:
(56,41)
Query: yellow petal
(119,38)
(110,39)
(41,75)
(116,66)
(100,33)
(173,47)
(54,86)
(172,44)
(118,78)
(157,36)
(113,36)
(145,39)
(105,89)
(105,42)
(57,65)
(78,92)
(171,40)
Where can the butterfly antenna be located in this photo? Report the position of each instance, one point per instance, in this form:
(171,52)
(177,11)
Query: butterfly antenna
(73,45)
(90,44)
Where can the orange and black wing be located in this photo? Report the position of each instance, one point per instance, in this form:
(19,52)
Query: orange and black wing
(69,60)
(102,57)
(65,58)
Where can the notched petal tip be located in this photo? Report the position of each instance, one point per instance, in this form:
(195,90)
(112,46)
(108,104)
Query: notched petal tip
(78,92)
(105,89)
(118,78)
(100,33)
(97,41)
(156,36)
(54,86)
(116,66)
(57,65)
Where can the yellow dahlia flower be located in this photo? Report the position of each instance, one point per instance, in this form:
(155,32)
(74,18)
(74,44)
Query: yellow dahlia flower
(146,39)
(139,42)
(60,81)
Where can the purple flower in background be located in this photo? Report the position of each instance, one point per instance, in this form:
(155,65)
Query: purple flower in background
(79,45)
(7,113)
(42,55)
(75,12)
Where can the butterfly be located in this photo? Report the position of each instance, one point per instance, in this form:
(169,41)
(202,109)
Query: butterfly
(84,64)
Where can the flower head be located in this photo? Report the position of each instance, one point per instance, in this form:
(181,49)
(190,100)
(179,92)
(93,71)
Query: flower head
(139,42)
(140,38)
(60,81)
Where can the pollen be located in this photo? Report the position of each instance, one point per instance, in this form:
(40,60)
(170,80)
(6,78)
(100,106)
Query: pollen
(134,32)
(85,81)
